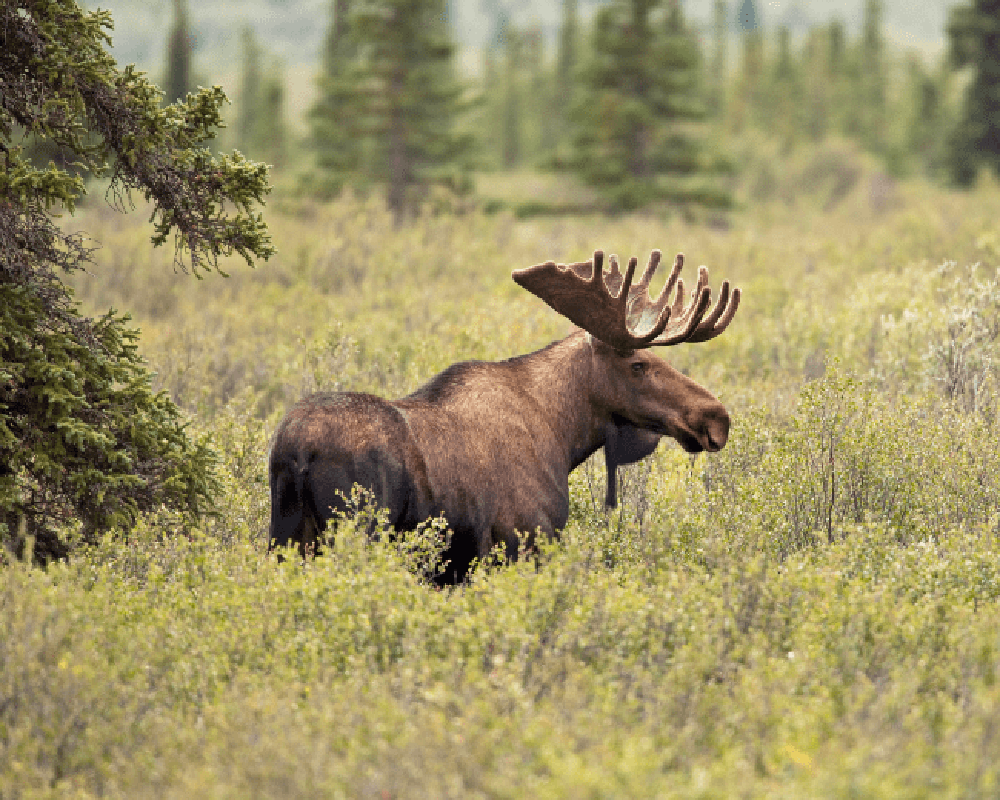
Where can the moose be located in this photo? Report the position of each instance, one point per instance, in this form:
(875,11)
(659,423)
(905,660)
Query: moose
(490,445)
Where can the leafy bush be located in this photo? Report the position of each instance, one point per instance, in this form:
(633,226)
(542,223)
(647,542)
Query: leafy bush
(845,456)
(190,666)
(962,355)
(705,640)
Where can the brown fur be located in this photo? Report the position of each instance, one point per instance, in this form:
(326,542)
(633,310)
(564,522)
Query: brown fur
(489,445)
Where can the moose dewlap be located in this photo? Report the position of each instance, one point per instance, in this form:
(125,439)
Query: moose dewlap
(490,445)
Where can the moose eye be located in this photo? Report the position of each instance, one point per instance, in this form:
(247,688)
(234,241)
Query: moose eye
(638,369)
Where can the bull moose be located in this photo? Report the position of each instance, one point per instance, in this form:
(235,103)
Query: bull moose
(490,445)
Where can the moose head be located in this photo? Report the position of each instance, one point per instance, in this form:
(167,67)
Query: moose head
(638,388)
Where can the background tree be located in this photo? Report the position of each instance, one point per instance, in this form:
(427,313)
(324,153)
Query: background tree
(974,41)
(272,130)
(747,97)
(929,116)
(490,112)
(785,93)
(640,96)
(567,58)
(511,130)
(500,107)
(816,113)
(85,444)
(720,67)
(260,119)
(872,80)
(177,82)
(838,70)
(248,99)
(401,97)
(335,136)
(538,106)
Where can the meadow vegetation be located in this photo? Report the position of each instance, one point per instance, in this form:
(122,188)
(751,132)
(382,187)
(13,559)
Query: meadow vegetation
(810,612)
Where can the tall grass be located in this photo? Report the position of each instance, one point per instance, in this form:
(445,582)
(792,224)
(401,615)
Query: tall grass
(810,612)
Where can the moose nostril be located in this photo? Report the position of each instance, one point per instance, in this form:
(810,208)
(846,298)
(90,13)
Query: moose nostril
(717,433)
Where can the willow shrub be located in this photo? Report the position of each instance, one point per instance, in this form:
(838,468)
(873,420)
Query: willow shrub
(705,640)
(847,455)
(179,666)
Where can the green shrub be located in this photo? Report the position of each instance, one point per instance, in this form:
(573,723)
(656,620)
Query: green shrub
(846,455)
(707,639)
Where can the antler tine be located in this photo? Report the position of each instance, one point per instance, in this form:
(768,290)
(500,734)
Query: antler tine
(688,322)
(644,314)
(708,323)
(672,278)
(617,284)
(720,317)
(693,325)
(677,307)
(598,271)
(647,274)
(627,283)
(682,316)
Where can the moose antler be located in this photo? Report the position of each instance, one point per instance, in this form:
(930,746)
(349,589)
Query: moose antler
(607,305)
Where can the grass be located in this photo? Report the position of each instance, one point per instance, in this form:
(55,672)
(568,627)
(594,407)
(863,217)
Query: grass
(810,612)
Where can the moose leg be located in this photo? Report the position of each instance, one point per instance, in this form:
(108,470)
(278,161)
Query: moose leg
(457,558)
(467,547)
(293,513)
(512,544)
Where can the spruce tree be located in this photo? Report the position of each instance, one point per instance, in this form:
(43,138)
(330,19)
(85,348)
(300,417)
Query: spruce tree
(974,38)
(926,137)
(747,100)
(837,50)
(512,117)
(178,80)
(335,124)
(566,66)
(272,132)
(248,101)
(720,35)
(639,97)
(260,119)
(786,93)
(500,107)
(816,85)
(871,85)
(537,106)
(492,88)
(844,106)
(85,444)
(397,99)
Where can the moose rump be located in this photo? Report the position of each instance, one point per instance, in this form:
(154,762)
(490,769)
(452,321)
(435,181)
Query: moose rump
(329,442)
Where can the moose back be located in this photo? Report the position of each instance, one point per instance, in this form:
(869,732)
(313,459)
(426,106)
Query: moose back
(490,445)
